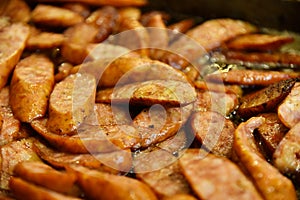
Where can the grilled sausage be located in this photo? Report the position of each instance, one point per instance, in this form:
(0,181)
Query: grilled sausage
(268,180)
(213,177)
(288,111)
(31,86)
(13,40)
(45,176)
(127,188)
(286,156)
(71,101)
(214,132)
(27,191)
(265,99)
(262,42)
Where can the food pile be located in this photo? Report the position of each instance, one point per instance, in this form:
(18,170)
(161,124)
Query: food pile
(177,110)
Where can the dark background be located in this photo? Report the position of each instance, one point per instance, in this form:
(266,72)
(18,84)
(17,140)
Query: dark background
(278,14)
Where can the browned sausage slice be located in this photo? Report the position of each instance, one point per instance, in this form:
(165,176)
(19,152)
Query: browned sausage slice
(111,162)
(251,77)
(256,57)
(268,180)
(167,181)
(214,131)
(271,132)
(71,101)
(13,40)
(265,99)
(13,153)
(288,111)
(90,139)
(125,188)
(13,11)
(54,16)
(213,177)
(43,175)
(262,42)
(44,40)
(180,197)
(219,102)
(286,156)
(157,123)
(28,191)
(31,86)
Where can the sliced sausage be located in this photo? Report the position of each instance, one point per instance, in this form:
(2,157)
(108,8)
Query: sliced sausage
(13,11)
(31,86)
(157,123)
(213,177)
(44,40)
(268,180)
(27,191)
(266,99)
(251,77)
(271,132)
(43,175)
(182,26)
(127,188)
(13,40)
(180,197)
(112,162)
(262,42)
(214,132)
(164,92)
(286,156)
(288,111)
(167,181)
(89,140)
(219,102)
(54,16)
(71,101)
(13,153)
(216,87)
(272,58)
(206,37)
(105,18)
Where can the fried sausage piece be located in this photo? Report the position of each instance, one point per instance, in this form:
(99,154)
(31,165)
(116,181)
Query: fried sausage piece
(13,40)
(124,188)
(268,180)
(219,102)
(45,176)
(112,162)
(89,140)
(117,3)
(126,70)
(251,77)
(182,26)
(17,11)
(164,92)
(23,190)
(262,42)
(214,132)
(286,156)
(54,16)
(13,153)
(288,111)
(213,177)
(167,181)
(71,101)
(44,40)
(216,87)
(208,36)
(272,58)
(271,132)
(31,86)
(157,123)
(105,18)
(266,99)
